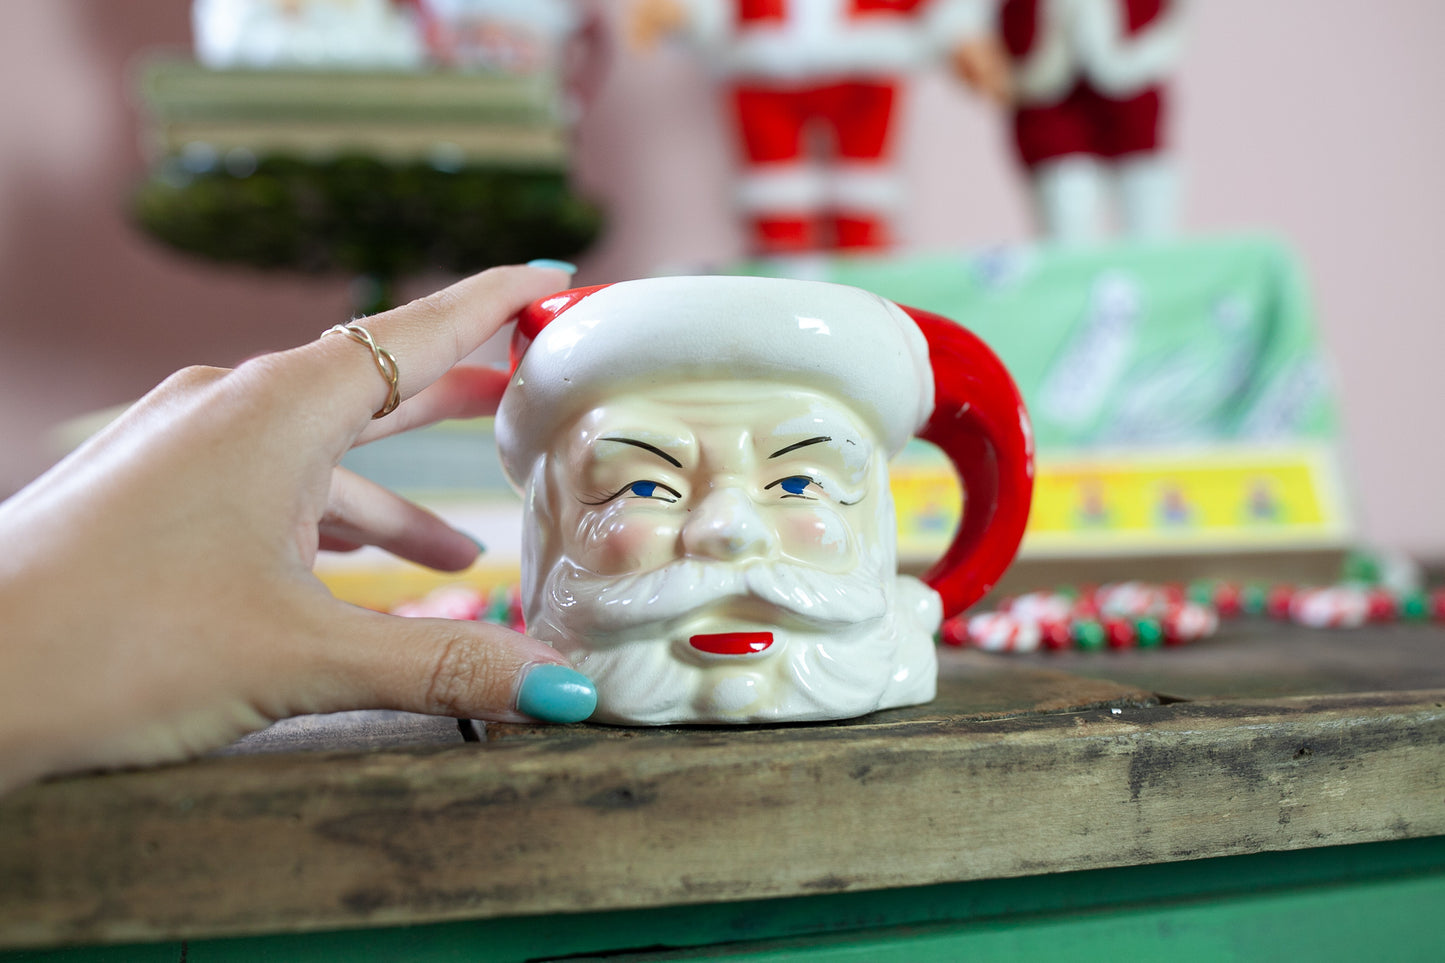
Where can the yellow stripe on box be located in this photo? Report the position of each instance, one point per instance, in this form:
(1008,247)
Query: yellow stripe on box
(387,585)
(1219,499)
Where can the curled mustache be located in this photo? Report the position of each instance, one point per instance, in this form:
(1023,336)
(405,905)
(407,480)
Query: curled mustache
(818,599)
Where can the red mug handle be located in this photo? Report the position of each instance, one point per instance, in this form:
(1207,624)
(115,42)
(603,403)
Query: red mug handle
(980,423)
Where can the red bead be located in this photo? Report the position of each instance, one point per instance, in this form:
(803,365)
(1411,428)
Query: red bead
(1437,605)
(1227,600)
(1381,606)
(1277,602)
(1120,633)
(1055,635)
(954,632)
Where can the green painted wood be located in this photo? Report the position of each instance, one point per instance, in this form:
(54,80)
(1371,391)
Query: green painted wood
(1379,900)
(1396,920)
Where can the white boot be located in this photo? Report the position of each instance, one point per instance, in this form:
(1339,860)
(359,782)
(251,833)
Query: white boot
(1068,198)
(1148,186)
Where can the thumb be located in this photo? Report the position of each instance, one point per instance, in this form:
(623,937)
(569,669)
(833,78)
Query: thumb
(447,667)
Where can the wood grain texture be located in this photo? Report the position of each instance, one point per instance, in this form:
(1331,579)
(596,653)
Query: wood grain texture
(995,779)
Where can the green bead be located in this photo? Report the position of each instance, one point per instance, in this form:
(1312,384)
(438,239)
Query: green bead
(1202,591)
(1253,599)
(1362,567)
(1148,633)
(499,608)
(1088,635)
(1415,607)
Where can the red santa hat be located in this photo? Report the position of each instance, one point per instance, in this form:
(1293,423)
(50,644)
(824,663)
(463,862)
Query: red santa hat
(902,371)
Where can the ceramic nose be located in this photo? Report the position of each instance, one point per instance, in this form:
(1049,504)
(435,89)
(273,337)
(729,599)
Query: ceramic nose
(726,526)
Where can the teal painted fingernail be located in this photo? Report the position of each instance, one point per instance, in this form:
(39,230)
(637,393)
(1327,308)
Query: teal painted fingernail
(556,693)
(481,547)
(547,262)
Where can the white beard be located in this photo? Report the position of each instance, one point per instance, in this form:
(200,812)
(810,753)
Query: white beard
(843,645)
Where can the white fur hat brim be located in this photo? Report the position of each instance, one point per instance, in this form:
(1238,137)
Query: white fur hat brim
(655,332)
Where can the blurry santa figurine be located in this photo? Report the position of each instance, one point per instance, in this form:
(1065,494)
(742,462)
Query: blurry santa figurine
(1089,103)
(322,34)
(812,86)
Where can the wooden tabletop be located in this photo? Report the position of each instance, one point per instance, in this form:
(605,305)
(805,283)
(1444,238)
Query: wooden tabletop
(1266,737)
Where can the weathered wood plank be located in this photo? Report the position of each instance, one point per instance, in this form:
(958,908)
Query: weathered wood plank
(634,818)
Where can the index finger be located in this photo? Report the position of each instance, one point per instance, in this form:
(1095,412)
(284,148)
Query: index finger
(426,337)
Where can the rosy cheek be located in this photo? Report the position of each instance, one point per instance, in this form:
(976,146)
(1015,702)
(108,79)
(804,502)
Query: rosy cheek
(814,535)
(629,542)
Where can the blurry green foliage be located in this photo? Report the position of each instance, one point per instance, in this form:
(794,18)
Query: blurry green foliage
(361,216)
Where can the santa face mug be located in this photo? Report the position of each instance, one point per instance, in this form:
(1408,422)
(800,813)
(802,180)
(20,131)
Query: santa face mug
(709,533)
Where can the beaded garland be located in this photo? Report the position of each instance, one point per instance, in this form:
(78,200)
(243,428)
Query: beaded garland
(1121,615)
(1138,615)
(502,606)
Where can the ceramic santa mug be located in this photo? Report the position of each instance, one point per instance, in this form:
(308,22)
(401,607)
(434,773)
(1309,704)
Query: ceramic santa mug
(709,532)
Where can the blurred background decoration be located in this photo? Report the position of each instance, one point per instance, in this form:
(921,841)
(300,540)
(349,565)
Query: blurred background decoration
(367,137)
(1182,406)
(812,93)
(1257,388)
(1090,105)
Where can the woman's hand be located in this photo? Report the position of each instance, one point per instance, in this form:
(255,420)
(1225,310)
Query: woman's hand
(156,588)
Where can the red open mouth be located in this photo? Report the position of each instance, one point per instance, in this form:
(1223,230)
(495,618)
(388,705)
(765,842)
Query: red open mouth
(732,643)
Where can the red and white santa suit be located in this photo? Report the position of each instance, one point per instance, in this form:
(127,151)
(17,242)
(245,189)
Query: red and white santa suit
(1089,81)
(812,87)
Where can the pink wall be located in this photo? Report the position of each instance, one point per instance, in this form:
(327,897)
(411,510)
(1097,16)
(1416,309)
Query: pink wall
(1317,120)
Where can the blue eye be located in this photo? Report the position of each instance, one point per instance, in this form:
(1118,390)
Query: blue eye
(652,491)
(794,486)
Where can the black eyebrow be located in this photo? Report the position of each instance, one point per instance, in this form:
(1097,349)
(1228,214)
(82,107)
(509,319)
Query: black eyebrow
(646,447)
(801,444)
